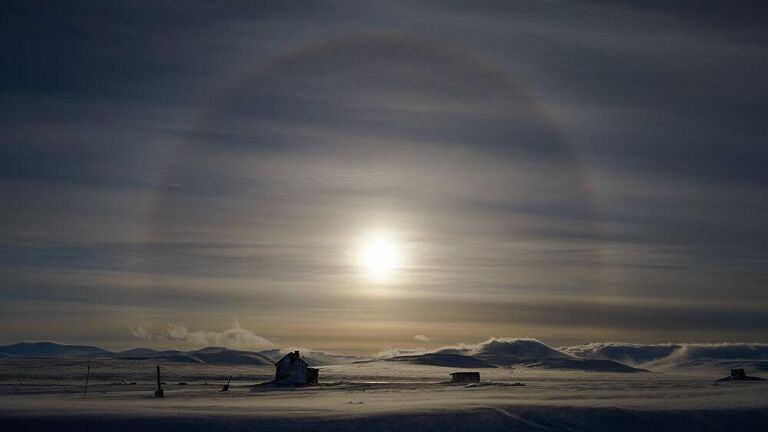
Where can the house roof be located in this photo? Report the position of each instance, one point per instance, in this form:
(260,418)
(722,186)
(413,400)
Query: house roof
(294,354)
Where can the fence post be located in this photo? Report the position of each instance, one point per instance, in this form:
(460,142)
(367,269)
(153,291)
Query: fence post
(87,377)
(226,386)
(159,391)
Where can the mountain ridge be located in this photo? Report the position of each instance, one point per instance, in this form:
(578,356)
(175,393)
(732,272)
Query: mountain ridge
(492,353)
(213,355)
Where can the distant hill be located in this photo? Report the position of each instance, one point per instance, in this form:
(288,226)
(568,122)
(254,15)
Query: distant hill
(633,354)
(52,350)
(233,357)
(584,365)
(505,352)
(221,355)
(210,350)
(694,358)
(213,355)
(517,348)
(477,362)
(146,352)
(314,358)
(317,358)
(448,360)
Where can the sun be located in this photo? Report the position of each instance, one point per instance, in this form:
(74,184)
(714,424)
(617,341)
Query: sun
(380,257)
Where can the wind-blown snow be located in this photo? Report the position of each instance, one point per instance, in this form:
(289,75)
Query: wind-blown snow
(634,354)
(697,356)
(233,337)
(523,348)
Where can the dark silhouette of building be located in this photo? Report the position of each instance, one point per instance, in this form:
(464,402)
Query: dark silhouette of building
(465,377)
(293,370)
(740,375)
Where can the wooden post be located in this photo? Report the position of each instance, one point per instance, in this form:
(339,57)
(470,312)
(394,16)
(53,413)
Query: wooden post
(226,386)
(87,377)
(159,391)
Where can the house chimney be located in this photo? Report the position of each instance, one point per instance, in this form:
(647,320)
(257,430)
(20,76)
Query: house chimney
(296,353)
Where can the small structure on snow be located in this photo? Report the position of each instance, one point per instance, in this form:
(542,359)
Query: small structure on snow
(465,377)
(740,375)
(293,370)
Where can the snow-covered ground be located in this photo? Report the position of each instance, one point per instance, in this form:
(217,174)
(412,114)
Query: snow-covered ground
(48,395)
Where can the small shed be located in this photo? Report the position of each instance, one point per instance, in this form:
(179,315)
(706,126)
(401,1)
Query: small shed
(293,370)
(465,377)
(740,375)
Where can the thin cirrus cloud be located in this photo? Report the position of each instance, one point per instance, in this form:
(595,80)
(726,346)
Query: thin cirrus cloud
(546,176)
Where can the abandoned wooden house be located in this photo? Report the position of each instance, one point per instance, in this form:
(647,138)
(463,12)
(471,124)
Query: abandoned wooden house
(465,377)
(293,370)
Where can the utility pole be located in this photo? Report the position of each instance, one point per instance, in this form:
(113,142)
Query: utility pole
(87,376)
(159,391)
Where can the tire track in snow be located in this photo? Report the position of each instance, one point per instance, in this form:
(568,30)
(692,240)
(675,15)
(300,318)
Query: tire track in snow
(522,420)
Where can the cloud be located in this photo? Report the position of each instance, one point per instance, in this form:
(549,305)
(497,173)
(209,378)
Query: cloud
(421,338)
(140,332)
(245,203)
(234,337)
(176,331)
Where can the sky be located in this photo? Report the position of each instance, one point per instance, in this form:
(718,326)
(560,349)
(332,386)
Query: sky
(358,176)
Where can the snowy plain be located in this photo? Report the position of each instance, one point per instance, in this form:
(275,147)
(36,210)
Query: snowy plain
(47,394)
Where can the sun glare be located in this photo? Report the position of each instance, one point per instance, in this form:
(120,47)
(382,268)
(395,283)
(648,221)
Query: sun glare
(380,258)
